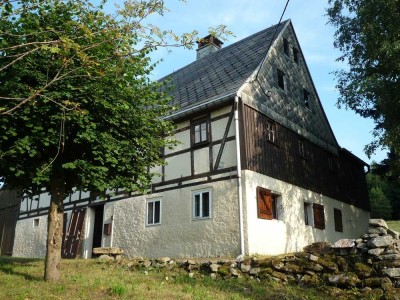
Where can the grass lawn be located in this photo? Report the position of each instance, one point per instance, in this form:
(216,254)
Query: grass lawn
(94,279)
(394,225)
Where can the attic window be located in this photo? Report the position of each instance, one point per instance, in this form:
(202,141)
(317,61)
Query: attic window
(281,79)
(296,55)
(306,98)
(286,47)
(271,131)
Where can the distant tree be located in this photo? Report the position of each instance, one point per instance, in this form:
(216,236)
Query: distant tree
(77,108)
(368,35)
(380,204)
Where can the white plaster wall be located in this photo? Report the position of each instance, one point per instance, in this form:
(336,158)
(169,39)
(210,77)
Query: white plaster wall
(221,111)
(30,241)
(183,139)
(228,158)
(201,160)
(289,233)
(179,235)
(178,166)
(218,128)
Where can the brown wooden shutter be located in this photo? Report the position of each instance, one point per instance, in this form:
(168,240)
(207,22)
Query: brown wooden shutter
(264,204)
(337,215)
(319,216)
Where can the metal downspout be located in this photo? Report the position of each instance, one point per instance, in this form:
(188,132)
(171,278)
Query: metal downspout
(239,174)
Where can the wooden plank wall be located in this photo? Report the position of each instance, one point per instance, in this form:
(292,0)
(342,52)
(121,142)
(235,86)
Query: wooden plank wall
(281,160)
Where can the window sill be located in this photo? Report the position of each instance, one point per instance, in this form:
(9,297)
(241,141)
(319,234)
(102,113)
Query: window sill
(152,225)
(201,218)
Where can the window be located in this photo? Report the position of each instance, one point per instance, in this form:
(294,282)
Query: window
(200,132)
(267,204)
(302,151)
(36,222)
(319,216)
(337,216)
(153,212)
(271,131)
(296,56)
(308,214)
(281,79)
(306,98)
(202,204)
(286,46)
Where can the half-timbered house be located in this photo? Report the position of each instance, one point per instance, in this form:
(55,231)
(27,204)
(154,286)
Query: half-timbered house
(257,168)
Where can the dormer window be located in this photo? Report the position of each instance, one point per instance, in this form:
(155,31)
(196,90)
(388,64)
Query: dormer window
(286,47)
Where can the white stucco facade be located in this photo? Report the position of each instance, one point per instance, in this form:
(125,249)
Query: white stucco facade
(179,234)
(288,233)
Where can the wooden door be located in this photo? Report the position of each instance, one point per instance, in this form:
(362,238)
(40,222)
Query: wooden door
(72,238)
(8,221)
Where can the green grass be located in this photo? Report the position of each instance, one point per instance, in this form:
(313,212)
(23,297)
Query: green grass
(94,279)
(394,225)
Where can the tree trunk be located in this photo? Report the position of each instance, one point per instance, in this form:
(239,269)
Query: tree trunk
(54,231)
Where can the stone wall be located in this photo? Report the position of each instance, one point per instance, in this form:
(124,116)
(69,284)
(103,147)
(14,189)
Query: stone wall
(368,267)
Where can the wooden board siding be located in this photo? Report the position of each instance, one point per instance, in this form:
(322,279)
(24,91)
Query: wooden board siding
(282,160)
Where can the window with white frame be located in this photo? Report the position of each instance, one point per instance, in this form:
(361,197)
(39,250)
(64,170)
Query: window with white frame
(153,215)
(202,204)
(36,222)
(200,131)
(308,214)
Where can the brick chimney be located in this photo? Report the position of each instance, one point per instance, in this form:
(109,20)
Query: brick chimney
(207,45)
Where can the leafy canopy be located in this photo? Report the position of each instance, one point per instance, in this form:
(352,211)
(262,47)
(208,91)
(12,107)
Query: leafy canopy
(76,103)
(368,35)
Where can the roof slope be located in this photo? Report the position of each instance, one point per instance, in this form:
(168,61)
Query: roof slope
(220,73)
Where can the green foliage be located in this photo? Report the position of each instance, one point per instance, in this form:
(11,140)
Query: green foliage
(92,117)
(118,289)
(368,35)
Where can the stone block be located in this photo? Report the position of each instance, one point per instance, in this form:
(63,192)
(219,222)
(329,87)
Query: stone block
(108,251)
(318,248)
(254,271)
(313,257)
(390,257)
(245,268)
(214,268)
(375,251)
(395,235)
(378,223)
(377,230)
(380,241)
(391,272)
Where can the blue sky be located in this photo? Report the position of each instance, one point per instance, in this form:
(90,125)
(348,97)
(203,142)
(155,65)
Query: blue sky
(245,17)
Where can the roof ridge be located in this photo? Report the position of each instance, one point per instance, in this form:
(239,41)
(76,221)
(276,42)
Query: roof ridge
(224,49)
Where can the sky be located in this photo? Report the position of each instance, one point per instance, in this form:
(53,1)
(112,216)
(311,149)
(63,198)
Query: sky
(245,17)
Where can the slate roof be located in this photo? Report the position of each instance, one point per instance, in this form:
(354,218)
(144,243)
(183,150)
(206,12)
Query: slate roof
(220,73)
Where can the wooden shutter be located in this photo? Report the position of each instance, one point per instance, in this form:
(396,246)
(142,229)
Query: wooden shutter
(264,204)
(319,216)
(72,239)
(337,215)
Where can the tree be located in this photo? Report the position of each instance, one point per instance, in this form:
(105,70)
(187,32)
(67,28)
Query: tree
(77,107)
(377,190)
(368,35)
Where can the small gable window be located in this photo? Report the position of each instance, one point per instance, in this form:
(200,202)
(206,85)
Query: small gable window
(286,46)
(337,216)
(306,98)
(319,216)
(271,131)
(296,55)
(153,212)
(281,79)
(267,204)
(200,131)
(302,150)
(202,204)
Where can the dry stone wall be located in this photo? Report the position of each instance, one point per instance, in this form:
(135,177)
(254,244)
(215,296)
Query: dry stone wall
(369,266)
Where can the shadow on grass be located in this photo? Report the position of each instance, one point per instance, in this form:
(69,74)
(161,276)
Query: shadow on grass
(9,264)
